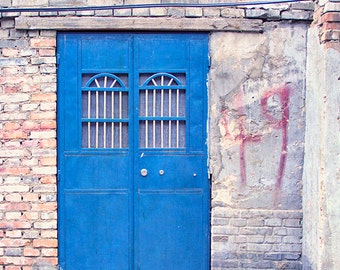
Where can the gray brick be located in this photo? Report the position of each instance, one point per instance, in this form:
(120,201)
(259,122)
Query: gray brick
(7,23)
(48,13)
(4,33)
(220,221)
(85,13)
(13,61)
(259,247)
(273,256)
(273,222)
(21,43)
(255,239)
(280,231)
(103,13)
(13,252)
(238,222)
(141,12)
(291,240)
(292,223)
(122,12)
(291,256)
(158,12)
(255,222)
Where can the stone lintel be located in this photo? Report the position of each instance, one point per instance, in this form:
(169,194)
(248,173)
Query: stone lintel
(128,23)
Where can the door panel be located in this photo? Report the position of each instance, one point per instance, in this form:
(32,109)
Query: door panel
(170,230)
(133,189)
(96,244)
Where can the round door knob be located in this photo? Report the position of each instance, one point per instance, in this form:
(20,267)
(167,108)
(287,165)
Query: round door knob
(144,172)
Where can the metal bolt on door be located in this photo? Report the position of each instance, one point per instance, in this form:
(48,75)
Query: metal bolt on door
(133,186)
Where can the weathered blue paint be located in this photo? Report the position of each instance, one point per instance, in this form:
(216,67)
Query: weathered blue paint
(110,216)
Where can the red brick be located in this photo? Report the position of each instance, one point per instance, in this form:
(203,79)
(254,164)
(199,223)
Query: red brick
(30,125)
(7,242)
(13,134)
(22,206)
(9,52)
(49,243)
(48,143)
(14,234)
(50,179)
(12,88)
(13,197)
(15,224)
(44,97)
(44,206)
(13,268)
(43,116)
(31,252)
(331,17)
(48,161)
(46,52)
(30,143)
(12,126)
(43,42)
(49,252)
(17,261)
(48,124)
(30,197)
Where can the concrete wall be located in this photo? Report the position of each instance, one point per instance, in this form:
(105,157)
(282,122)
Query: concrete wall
(256,130)
(321,180)
(257,89)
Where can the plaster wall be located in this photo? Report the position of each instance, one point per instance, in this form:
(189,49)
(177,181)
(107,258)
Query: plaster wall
(321,194)
(257,116)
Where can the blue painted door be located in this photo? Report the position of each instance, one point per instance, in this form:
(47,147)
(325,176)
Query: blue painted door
(133,185)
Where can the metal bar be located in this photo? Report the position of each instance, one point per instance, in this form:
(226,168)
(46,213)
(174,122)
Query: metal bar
(113,83)
(89,116)
(177,122)
(146,121)
(170,112)
(154,122)
(162,113)
(97,116)
(112,116)
(104,113)
(120,117)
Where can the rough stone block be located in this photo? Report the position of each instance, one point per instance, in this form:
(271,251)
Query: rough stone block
(232,13)
(211,12)
(331,7)
(297,15)
(303,6)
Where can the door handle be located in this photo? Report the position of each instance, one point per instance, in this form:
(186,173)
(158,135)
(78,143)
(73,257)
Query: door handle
(144,172)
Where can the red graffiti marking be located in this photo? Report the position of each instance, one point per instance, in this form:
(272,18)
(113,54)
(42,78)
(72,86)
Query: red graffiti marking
(283,94)
(243,137)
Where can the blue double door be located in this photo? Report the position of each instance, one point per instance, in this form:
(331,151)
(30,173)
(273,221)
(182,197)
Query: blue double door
(133,185)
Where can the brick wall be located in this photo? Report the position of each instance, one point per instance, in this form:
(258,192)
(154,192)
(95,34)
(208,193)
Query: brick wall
(247,231)
(28,235)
